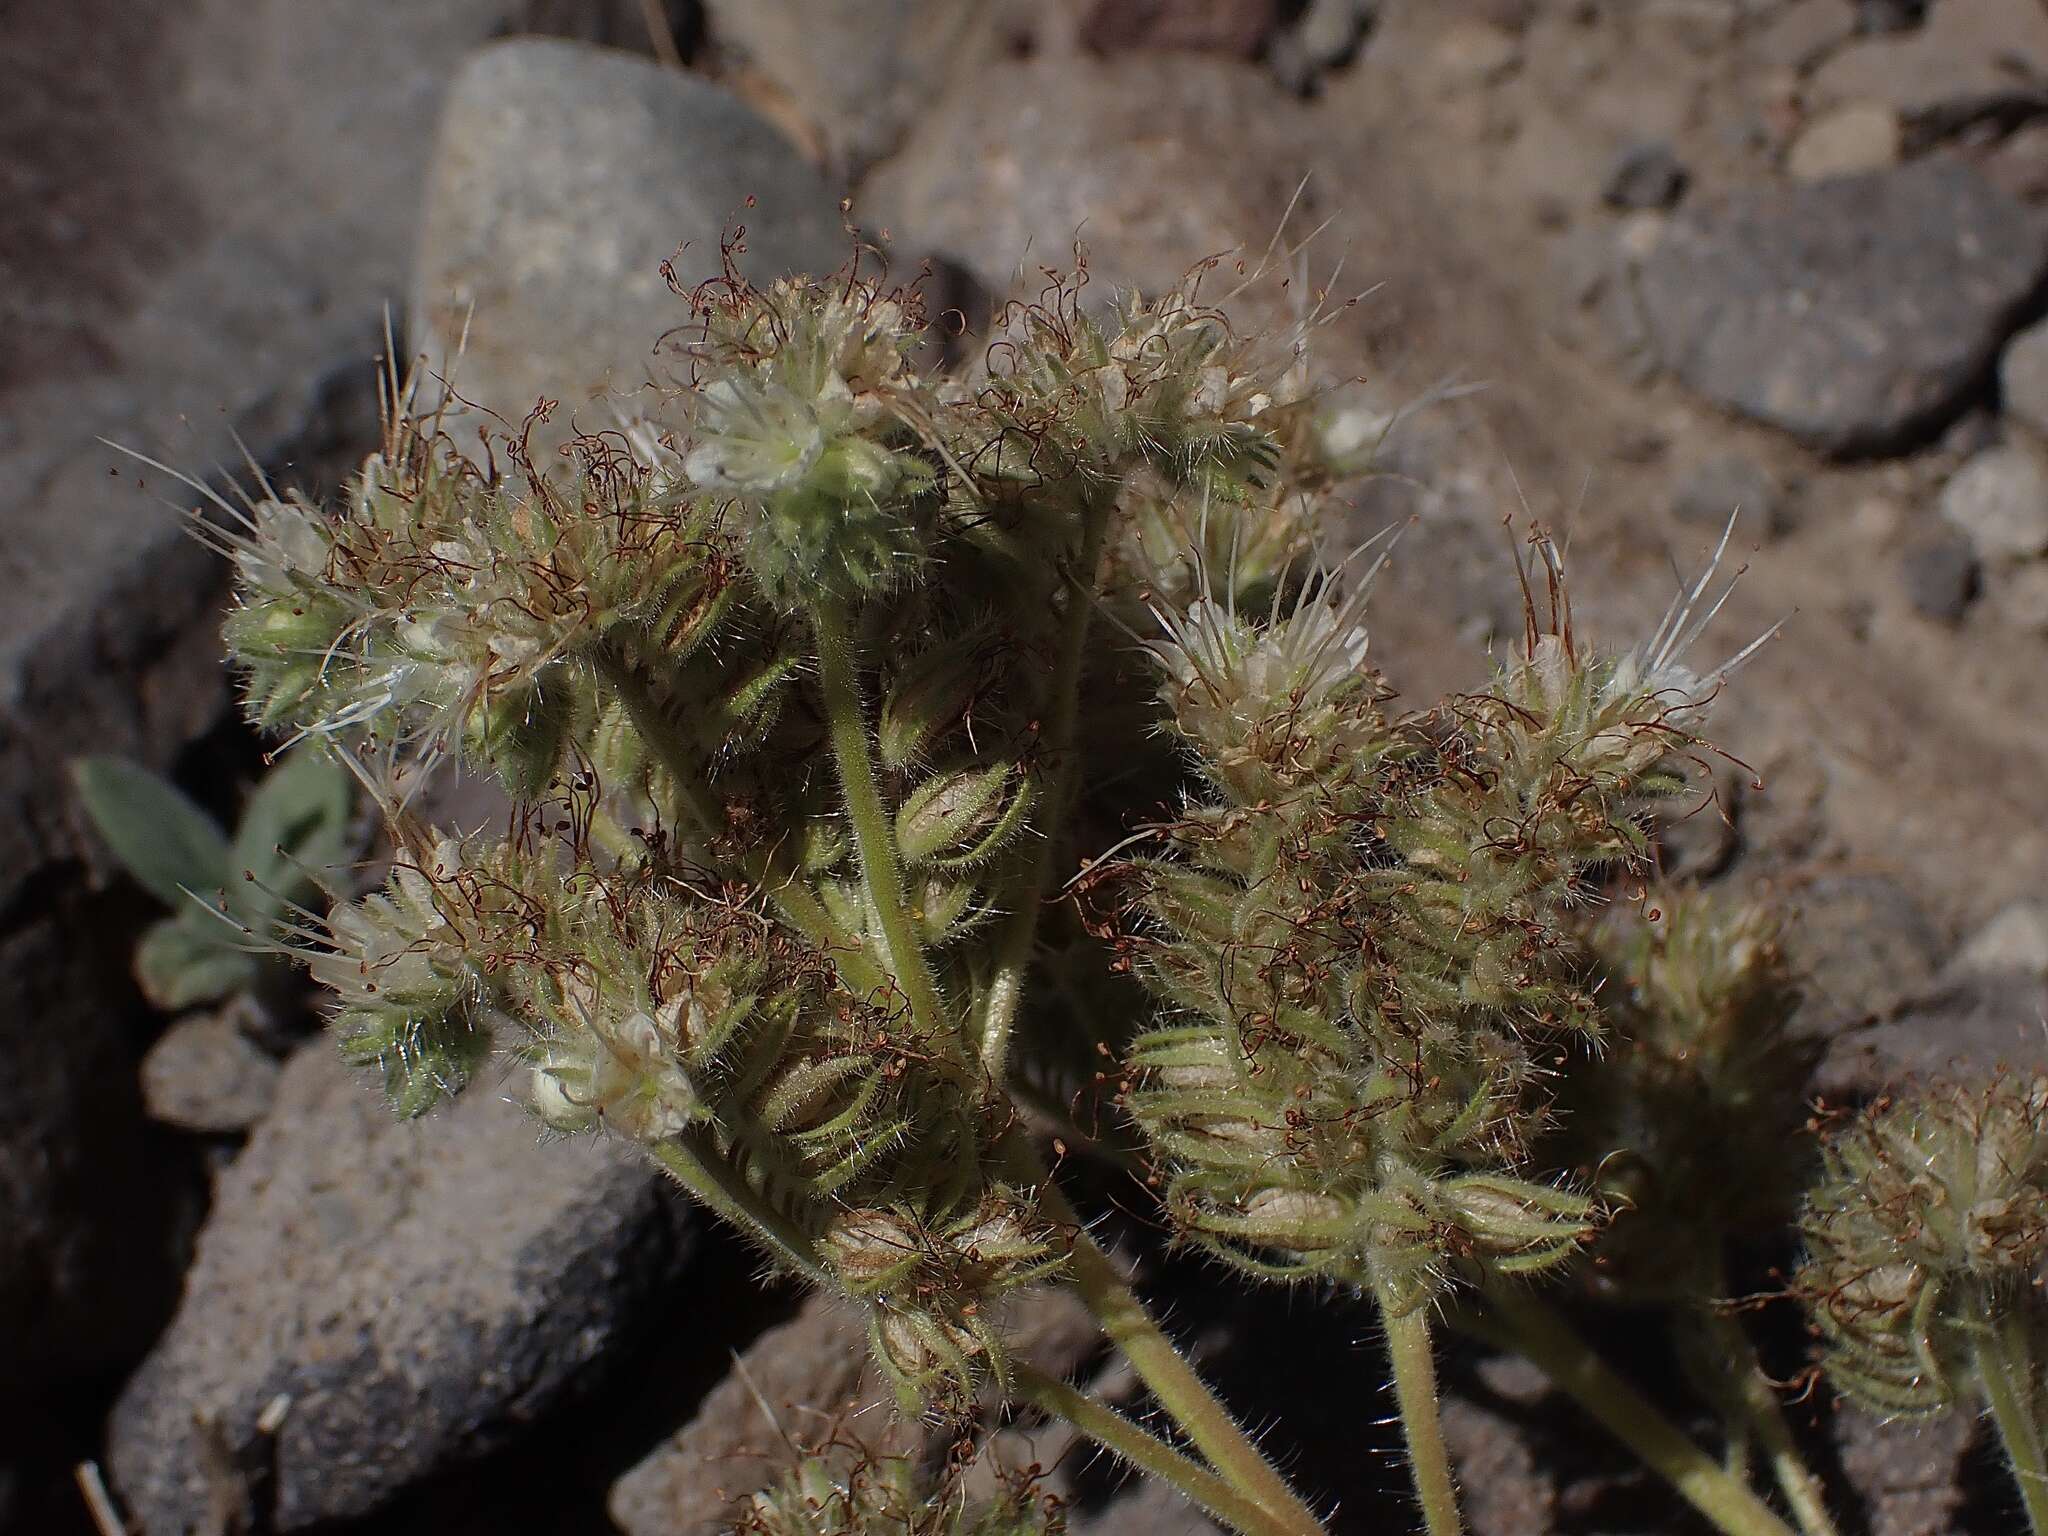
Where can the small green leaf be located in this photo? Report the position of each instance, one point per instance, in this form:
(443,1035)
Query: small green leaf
(191,959)
(161,838)
(295,821)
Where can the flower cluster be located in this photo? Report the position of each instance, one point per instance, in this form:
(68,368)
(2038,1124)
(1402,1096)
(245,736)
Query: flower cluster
(1925,1240)
(784,684)
(1366,939)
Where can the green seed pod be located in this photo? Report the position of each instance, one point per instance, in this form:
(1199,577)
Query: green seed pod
(961,817)
(927,698)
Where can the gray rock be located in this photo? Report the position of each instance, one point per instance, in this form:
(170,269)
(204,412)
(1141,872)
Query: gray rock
(1153,160)
(1940,573)
(1999,498)
(1647,175)
(374,1299)
(859,72)
(1855,313)
(1146,1508)
(1907,1470)
(2016,940)
(1968,51)
(1803,33)
(2023,378)
(1862,947)
(1712,489)
(1328,36)
(2019,163)
(204,1074)
(1965,1028)
(211,212)
(1506,1491)
(564,176)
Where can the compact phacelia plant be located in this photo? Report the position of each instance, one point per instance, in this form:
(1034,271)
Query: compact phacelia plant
(836,839)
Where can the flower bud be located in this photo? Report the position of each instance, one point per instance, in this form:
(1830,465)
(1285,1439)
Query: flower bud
(962,816)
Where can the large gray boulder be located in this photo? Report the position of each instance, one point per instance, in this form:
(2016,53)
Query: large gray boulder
(375,1299)
(1856,313)
(563,178)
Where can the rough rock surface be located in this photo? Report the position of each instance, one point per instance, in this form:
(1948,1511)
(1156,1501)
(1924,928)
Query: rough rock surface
(375,1298)
(1138,141)
(1854,313)
(1941,574)
(1710,490)
(1966,53)
(857,72)
(204,1074)
(564,176)
(1862,946)
(210,211)
(1965,1028)
(1906,1469)
(2023,377)
(2000,499)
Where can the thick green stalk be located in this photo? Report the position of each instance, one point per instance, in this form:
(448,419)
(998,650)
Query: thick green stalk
(1126,1323)
(1757,1411)
(1149,1454)
(1429,1461)
(2005,1365)
(1021,896)
(874,831)
(707,1177)
(1520,1322)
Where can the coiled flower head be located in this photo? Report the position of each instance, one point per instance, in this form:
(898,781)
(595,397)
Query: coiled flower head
(804,414)
(409,970)
(1688,1118)
(1272,706)
(1929,1223)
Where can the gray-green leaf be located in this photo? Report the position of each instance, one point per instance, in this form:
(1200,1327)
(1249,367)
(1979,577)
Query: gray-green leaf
(296,821)
(191,959)
(161,838)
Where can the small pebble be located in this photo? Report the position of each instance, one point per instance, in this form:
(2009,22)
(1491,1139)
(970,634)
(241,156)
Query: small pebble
(2023,378)
(2015,940)
(1848,141)
(2000,499)
(1941,575)
(1647,175)
(205,1075)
